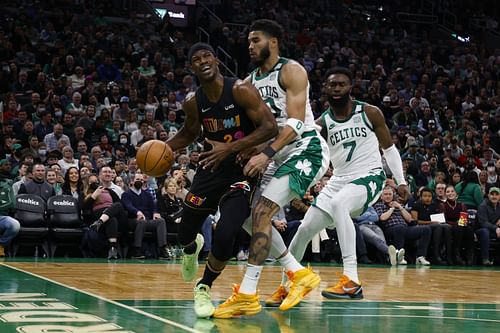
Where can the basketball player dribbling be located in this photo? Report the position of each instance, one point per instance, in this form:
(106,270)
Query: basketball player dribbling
(233,118)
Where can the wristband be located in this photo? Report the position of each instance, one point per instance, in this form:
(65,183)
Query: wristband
(269,152)
(297,125)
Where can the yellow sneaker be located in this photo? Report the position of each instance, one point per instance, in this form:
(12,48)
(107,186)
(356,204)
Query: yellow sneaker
(344,289)
(302,282)
(238,305)
(277,297)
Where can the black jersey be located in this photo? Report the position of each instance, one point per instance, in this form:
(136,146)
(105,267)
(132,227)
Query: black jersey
(224,120)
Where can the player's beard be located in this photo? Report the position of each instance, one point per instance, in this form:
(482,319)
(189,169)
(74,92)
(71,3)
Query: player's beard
(264,54)
(339,103)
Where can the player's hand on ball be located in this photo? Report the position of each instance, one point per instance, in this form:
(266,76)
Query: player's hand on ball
(256,165)
(212,158)
(404,193)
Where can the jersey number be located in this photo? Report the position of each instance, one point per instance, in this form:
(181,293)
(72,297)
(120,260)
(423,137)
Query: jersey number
(228,138)
(351,145)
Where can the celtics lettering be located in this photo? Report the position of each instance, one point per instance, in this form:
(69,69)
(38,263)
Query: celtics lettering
(268,91)
(347,133)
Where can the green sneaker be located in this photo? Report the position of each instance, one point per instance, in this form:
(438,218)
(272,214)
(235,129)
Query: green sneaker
(190,261)
(202,302)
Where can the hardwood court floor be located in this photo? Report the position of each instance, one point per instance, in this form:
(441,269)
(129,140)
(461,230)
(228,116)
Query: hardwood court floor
(402,299)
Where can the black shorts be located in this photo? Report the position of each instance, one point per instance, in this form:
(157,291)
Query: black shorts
(209,187)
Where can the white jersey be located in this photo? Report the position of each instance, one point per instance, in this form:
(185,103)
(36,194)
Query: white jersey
(274,95)
(354,147)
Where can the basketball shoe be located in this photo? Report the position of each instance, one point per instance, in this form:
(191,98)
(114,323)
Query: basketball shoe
(238,305)
(345,289)
(190,261)
(301,284)
(277,297)
(202,302)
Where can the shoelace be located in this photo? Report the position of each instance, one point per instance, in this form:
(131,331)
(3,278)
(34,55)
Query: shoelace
(343,280)
(236,289)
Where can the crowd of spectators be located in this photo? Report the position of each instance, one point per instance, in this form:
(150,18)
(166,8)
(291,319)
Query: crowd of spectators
(81,90)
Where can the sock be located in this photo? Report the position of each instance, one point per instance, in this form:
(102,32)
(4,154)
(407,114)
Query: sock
(209,276)
(190,248)
(351,268)
(251,279)
(290,263)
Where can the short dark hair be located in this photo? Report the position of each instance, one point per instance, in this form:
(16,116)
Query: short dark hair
(269,27)
(426,189)
(339,70)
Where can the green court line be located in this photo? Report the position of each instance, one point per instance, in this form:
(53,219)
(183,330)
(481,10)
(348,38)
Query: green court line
(88,304)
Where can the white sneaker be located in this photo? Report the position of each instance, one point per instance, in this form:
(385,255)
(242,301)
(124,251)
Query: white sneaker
(422,261)
(242,256)
(392,255)
(400,257)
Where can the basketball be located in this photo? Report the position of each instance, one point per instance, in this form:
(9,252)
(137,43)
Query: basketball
(155,158)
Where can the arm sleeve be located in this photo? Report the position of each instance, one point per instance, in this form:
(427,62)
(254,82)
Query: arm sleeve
(395,165)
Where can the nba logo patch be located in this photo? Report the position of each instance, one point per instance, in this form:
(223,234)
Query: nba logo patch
(195,200)
(357,120)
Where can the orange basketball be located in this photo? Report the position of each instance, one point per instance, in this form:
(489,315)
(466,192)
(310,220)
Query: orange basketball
(155,158)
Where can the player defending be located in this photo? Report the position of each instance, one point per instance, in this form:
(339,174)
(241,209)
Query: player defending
(299,158)
(354,130)
(233,117)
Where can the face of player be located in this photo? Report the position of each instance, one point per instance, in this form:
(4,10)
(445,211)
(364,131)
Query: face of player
(205,65)
(258,47)
(338,88)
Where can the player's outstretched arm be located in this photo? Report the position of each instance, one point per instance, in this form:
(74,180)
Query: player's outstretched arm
(191,128)
(391,153)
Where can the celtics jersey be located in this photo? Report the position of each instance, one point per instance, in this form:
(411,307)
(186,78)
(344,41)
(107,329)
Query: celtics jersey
(274,94)
(354,147)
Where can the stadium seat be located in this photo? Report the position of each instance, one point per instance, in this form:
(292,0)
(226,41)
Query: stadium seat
(65,221)
(30,212)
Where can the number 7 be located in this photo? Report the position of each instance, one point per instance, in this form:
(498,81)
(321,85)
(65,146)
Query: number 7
(349,145)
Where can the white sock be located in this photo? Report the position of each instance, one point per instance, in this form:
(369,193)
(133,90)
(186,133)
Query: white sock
(289,263)
(251,279)
(351,268)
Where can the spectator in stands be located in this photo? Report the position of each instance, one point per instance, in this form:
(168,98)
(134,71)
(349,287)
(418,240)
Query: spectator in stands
(51,139)
(68,160)
(422,212)
(138,134)
(24,176)
(394,220)
(144,215)
(462,232)
(488,217)
(73,183)
(108,72)
(169,205)
(37,185)
(104,206)
(373,235)
(469,191)
(425,176)
(51,178)
(9,228)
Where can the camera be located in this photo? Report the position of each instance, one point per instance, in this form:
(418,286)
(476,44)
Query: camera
(93,186)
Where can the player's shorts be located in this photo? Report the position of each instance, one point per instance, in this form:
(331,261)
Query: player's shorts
(304,162)
(373,182)
(209,187)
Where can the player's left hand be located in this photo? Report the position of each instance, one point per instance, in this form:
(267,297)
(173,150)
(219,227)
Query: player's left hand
(256,165)
(156,216)
(403,193)
(212,158)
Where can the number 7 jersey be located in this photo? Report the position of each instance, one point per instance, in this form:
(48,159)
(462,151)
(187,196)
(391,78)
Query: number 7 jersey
(354,147)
